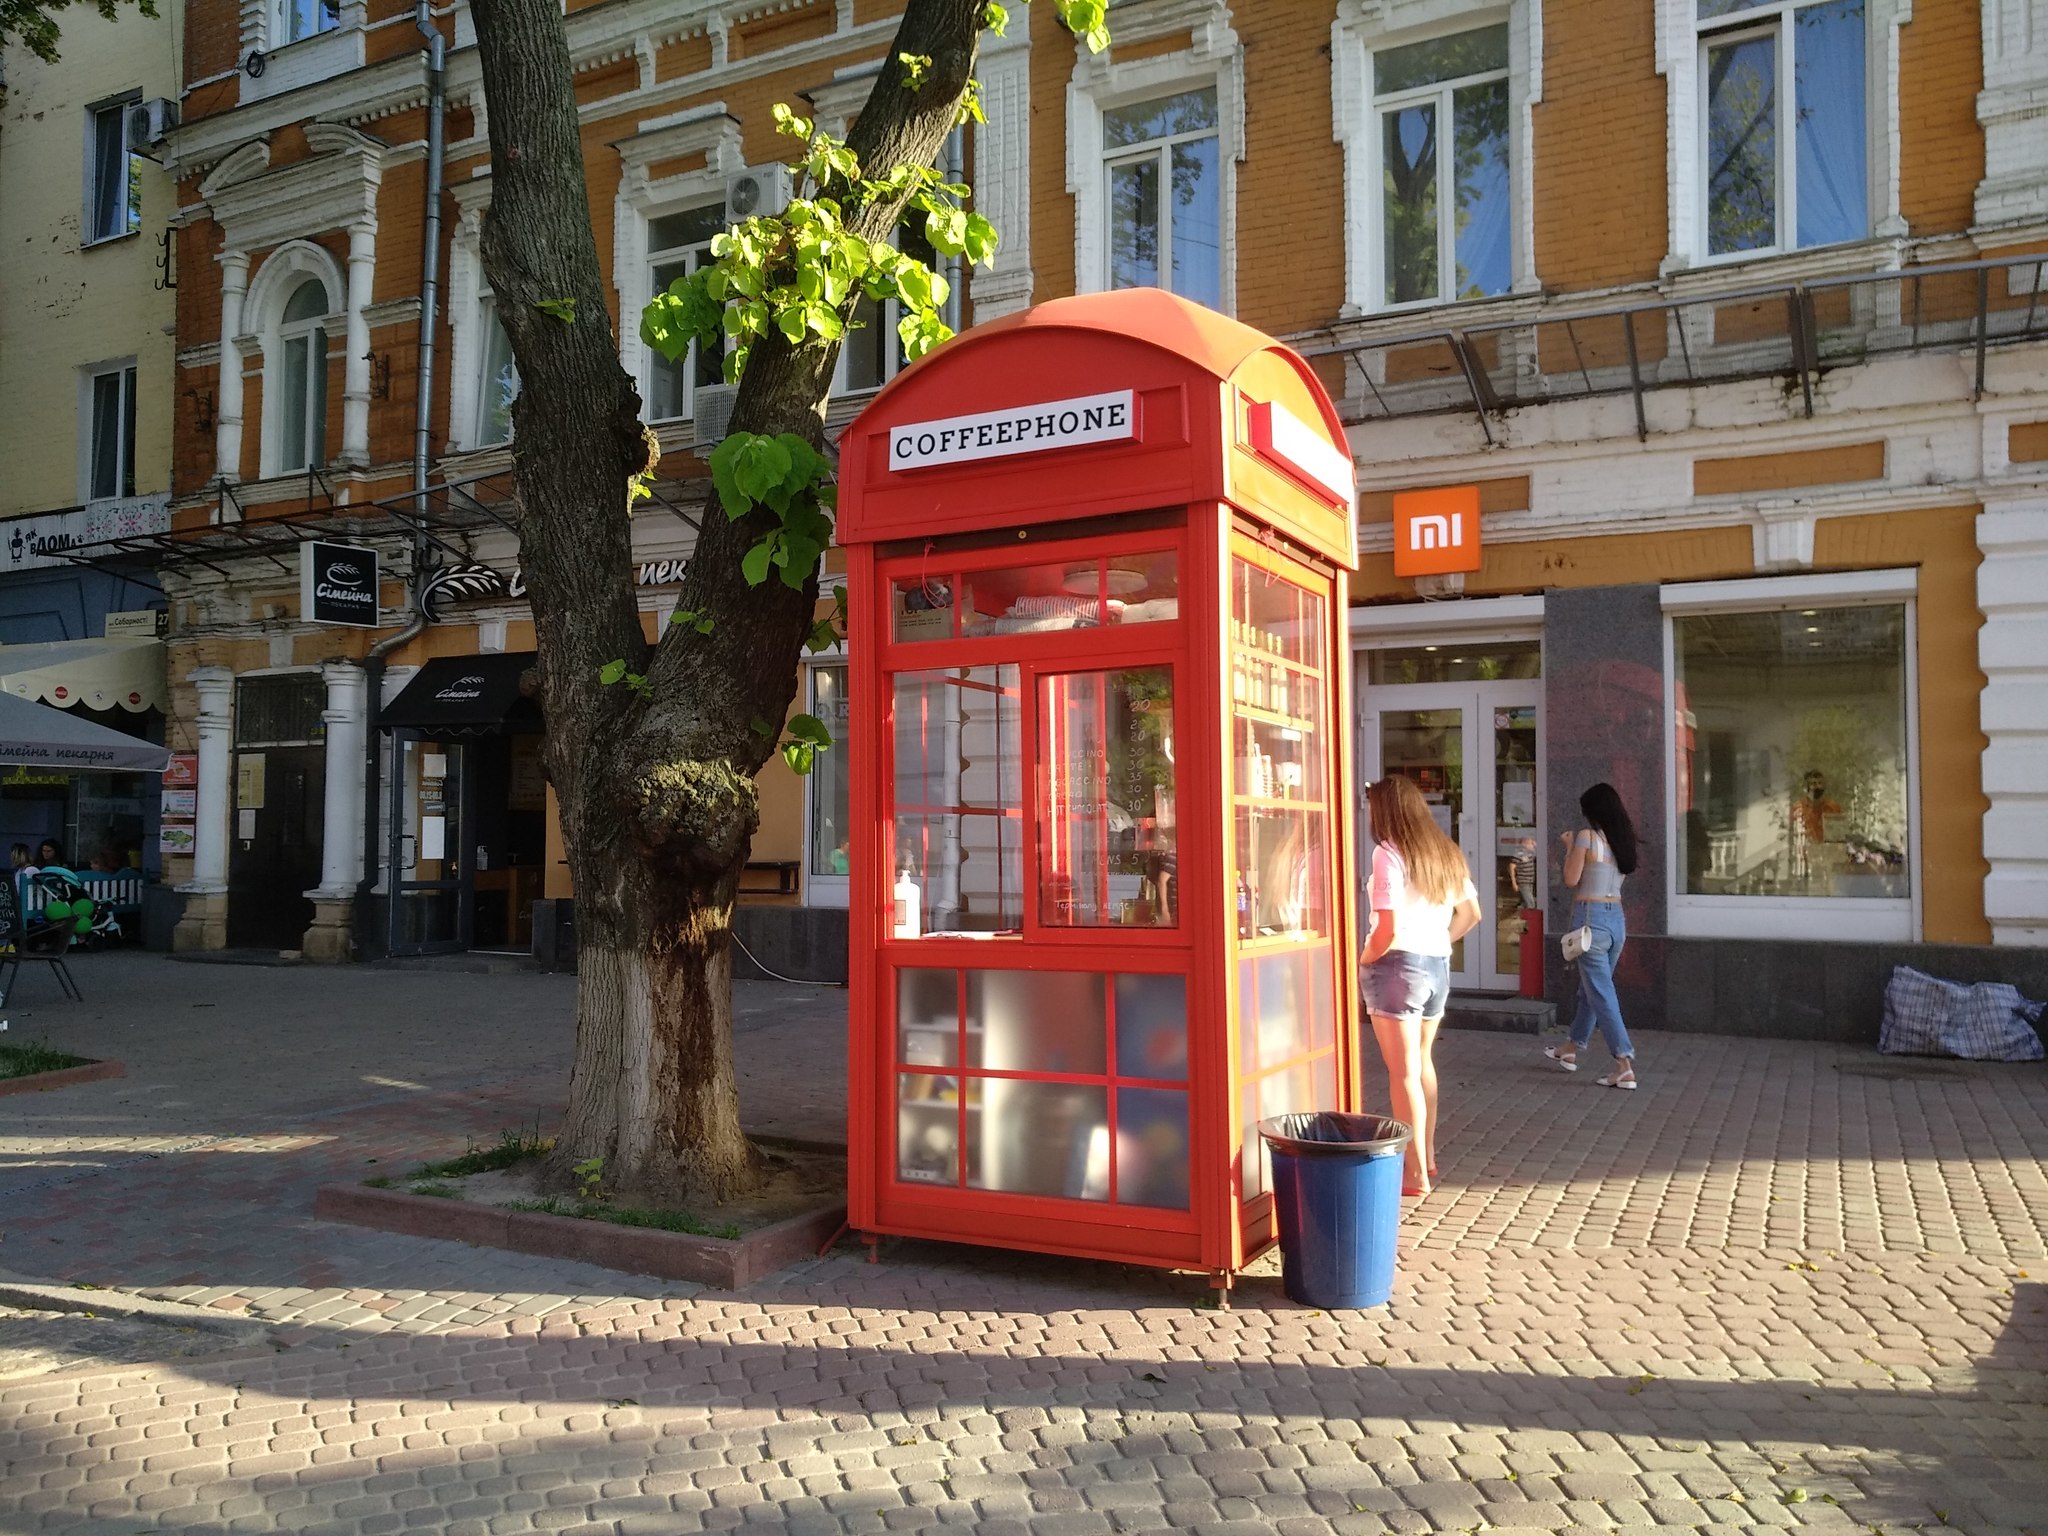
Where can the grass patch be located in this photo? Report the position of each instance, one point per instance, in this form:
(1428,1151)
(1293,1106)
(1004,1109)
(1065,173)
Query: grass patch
(378,1181)
(436,1191)
(511,1147)
(29,1060)
(627,1216)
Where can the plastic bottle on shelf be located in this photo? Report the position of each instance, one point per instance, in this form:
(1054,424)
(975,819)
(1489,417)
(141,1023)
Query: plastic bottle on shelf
(907,917)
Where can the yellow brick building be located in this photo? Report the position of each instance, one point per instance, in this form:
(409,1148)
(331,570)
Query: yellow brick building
(1728,313)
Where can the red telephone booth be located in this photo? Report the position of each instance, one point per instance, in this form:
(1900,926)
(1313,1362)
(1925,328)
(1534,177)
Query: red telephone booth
(1103,847)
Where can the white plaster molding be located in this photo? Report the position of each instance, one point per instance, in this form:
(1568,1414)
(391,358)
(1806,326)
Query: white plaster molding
(1215,56)
(2012,651)
(1002,171)
(1361,27)
(289,67)
(257,205)
(281,275)
(2012,109)
(835,104)
(1783,536)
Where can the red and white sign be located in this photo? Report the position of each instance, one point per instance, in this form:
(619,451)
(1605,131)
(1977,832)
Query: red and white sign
(1436,532)
(182,772)
(1280,437)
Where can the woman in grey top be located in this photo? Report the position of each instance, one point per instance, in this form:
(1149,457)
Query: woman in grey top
(1597,857)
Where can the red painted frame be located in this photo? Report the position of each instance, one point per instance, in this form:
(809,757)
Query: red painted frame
(1193,403)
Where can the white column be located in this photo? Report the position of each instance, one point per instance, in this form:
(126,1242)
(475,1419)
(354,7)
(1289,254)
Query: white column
(1002,170)
(227,430)
(341,837)
(216,761)
(2012,648)
(355,367)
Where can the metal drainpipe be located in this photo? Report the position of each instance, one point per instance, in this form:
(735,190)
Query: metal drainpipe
(423,420)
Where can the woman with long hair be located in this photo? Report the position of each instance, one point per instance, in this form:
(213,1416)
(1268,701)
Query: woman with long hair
(1423,902)
(1597,857)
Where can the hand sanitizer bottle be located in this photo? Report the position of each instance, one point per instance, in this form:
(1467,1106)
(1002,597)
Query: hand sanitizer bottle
(908,918)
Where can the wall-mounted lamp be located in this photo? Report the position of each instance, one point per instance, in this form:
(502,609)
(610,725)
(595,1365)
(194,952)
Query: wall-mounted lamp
(202,406)
(380,374)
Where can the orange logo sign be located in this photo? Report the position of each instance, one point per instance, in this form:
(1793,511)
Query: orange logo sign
(1436,532)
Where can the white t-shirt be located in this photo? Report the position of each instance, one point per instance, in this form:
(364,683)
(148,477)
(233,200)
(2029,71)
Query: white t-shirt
(1420,927)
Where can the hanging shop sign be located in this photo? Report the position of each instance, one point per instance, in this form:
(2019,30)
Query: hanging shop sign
(30,543)
(338,584)
(137,624)
(1051,424)
(1436,532)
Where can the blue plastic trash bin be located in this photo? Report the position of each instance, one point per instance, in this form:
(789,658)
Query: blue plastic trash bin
(1337,1196)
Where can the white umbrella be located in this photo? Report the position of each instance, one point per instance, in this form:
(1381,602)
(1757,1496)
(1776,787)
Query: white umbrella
(41,737)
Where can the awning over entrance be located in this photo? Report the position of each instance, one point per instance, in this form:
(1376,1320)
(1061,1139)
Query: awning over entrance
(466,693)
(40,737)
(100,674)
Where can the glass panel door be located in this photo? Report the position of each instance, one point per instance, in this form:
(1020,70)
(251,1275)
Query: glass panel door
(430,822)
(1473,752)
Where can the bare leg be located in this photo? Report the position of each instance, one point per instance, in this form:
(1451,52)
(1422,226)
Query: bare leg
(1400,1043)
(1429,1029)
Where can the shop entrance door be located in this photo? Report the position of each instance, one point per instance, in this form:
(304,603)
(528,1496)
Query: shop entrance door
(1474,751)
(432,830)
(280,812)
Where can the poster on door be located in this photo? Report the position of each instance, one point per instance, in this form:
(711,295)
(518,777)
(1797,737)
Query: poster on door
(249,780)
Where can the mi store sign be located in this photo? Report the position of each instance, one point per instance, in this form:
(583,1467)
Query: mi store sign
(1436,532)
(338,584)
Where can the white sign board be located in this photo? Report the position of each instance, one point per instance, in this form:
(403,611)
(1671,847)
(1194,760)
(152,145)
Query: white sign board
(1040,428)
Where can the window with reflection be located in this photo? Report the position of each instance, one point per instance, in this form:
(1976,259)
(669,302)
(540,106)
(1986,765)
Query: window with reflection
(1166,195)
(1106,830)
(1791,742)
(958,805)
(1445,201)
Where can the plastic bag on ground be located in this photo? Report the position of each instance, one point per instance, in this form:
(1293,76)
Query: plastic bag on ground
(1987,1021)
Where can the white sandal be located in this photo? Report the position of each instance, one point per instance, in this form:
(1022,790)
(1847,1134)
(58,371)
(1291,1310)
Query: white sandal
(1568,1060)
(1621,1077)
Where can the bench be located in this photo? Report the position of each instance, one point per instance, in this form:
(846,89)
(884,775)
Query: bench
(119,892)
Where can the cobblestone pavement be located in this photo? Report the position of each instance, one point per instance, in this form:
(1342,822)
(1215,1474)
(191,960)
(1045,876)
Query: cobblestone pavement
(1782,1286)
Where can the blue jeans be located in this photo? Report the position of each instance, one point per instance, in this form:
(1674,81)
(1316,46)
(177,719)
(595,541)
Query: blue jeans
(1598,1006)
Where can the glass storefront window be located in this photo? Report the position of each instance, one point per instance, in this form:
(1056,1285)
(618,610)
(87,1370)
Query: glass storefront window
(959,802)
(1791,747)
(1106,855)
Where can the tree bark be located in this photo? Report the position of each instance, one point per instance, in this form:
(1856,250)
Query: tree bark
(655,786)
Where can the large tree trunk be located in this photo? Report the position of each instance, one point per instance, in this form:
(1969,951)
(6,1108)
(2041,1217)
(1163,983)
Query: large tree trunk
(655,785)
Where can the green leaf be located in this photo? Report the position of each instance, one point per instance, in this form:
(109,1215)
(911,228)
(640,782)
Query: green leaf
(563,310)
(725,475)
(996,18)
(761,466)
(754,563)
(809,728)
(800,755)
(791,324)
(611,672)
(916,67)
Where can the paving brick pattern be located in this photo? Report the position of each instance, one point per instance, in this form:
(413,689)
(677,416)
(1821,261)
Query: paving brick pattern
(1781,1287)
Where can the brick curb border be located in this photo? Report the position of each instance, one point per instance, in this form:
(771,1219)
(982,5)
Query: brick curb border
(718,1262)
(63,1077)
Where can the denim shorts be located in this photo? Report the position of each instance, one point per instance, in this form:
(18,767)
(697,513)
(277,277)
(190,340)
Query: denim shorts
(1399,985)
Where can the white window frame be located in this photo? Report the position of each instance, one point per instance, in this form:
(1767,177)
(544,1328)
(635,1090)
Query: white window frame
(1214,57)
(1364,27)
(280,23)
(1681,59)
(1160,152)
(695,254)
(822,888)
(276,343)
(130,426)
(132,202)
(1441,97)
(1847,918)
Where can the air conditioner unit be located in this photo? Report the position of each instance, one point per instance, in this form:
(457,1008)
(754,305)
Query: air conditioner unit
(713,414)
(759,191)
(150,123)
